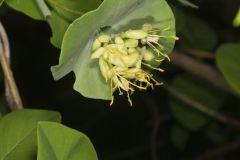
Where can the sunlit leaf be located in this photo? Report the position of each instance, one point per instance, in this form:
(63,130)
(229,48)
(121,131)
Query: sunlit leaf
(18,133)
(228,60)
(115,16)
(56,141)
(198,90)
(236,21)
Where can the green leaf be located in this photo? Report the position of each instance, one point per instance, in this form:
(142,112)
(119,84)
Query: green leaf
(72,9)
(197,34)
(116,16)
(187,3)
(63,13)
(228,60)
(18,133)
(179,136)
(1,1)
(59,26)
(28,7)
(56,141)
(236,21)
(3,105)
(197,90)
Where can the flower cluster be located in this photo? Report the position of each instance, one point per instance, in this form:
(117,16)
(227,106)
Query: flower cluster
(123,55)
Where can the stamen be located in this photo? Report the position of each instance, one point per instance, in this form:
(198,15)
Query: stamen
(148,65)
(112,100)
(129,100)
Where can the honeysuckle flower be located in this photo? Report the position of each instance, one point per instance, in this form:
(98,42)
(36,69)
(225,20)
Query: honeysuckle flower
(114,48)
(121,57)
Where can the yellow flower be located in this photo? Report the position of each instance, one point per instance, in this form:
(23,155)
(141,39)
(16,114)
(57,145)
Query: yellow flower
(122,55)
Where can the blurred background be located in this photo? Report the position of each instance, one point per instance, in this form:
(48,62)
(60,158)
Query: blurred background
(193,116)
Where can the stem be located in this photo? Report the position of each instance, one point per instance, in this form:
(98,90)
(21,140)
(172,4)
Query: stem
(202,70)
(12,95)
(43,8)
(202,108)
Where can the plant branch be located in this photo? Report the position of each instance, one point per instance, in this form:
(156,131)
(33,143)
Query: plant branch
(202,108)
(202,70)
(11,90)
(219,151)
(43,8)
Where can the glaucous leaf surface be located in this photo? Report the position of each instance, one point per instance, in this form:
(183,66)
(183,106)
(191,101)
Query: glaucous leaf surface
(112,16)
(228,60)
(18,137)
(56,141)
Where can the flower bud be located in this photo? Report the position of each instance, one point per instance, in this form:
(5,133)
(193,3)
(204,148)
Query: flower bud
(119,40)
(98,53)
(131,43)
(131,59)
(147,27)
(104,38)
(136,34)
(104,68)
(148,55)
(96,44)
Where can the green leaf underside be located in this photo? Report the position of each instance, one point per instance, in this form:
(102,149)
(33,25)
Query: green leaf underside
(120,16)
(228,60)
(199,91)
(28,7)
(18,133)
(56,142)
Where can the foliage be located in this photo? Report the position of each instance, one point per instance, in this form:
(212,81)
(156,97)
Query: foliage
(228,61)
(22,133)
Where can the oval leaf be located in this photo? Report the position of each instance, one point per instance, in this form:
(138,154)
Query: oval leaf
(56,141)
(117,16)
(18,133)
(228,60)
